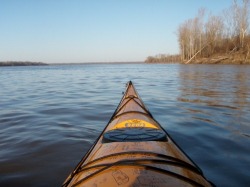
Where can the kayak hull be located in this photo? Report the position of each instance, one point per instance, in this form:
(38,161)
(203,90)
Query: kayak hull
(134,150)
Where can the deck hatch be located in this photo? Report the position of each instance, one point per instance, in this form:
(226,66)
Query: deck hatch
(134,135)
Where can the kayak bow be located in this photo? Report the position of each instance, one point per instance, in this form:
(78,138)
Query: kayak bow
(134,150)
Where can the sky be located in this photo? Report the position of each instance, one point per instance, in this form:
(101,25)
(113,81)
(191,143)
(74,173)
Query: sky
(71,31)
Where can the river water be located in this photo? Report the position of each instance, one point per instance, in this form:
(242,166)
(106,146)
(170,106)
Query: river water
(51,115)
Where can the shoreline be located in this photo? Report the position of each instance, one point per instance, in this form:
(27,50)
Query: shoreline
(237,58)
(22,63)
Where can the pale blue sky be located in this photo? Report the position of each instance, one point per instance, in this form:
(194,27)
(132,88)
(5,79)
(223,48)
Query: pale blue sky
(58,31)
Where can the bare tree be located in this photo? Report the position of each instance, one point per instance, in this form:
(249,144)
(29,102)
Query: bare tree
(236,21)
(201,14)
(213,30)
(241,18)
(217,35)
(183,35)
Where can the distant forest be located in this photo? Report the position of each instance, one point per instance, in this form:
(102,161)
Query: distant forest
(219,37)
(21,63)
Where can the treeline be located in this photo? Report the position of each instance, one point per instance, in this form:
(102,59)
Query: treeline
(164,58)
(21,63)
(213,38)
(220,34)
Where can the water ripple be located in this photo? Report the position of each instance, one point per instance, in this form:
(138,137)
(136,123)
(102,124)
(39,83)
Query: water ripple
(50,116)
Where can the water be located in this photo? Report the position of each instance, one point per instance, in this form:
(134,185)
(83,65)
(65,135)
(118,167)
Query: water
(51,115)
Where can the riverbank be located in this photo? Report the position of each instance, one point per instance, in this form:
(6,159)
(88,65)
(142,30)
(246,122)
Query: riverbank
(233,58)
(22,63)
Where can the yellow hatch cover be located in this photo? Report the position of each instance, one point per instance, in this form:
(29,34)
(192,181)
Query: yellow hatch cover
(134,123)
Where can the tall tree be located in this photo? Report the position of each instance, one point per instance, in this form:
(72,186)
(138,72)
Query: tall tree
(244,21)
(241,21)
(213,30)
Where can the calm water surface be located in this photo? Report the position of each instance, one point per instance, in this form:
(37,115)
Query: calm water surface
(51,115)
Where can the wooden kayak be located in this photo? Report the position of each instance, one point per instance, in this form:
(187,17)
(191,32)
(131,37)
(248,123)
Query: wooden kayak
(134,150)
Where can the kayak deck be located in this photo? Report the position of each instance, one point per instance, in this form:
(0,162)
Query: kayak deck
(134,150)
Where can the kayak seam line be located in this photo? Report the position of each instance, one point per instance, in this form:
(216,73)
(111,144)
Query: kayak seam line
(132,161)
(129,99)
(156,154)
(140,165)
(118,115)
(122,106)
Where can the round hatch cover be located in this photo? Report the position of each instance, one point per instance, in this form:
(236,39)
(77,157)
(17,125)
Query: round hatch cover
(134,135)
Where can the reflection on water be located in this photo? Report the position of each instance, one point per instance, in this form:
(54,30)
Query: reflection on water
(219,96)
(212,83)
(222,88)
(50,116)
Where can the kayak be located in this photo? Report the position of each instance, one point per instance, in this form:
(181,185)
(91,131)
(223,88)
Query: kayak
(134,150)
